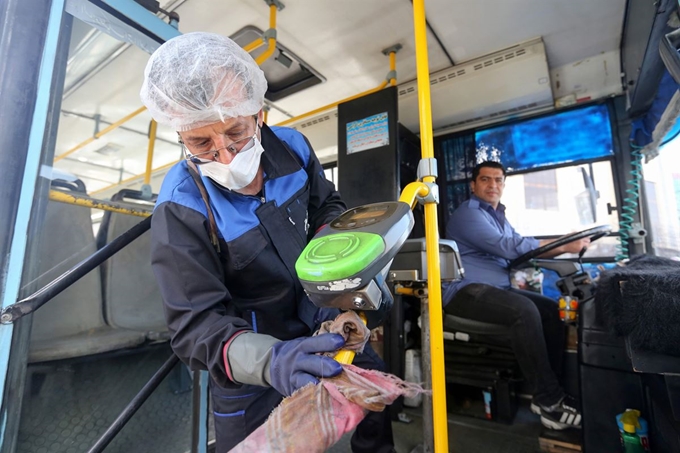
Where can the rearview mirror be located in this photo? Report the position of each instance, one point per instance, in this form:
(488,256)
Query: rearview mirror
(586,201)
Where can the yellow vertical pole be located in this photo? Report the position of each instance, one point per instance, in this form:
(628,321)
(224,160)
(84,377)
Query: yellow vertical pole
(149,153)
(271,41)
(393,67)
(441,440)
(272,16)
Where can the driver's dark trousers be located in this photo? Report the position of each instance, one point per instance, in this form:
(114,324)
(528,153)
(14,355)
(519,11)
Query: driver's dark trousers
(537,333)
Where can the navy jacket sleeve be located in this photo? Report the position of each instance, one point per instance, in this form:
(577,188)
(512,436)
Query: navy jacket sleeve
(190,277)
(325,203)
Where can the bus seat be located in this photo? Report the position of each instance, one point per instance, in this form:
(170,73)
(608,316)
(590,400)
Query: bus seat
(479,357)
(458,324)
(132,299)
(72,323)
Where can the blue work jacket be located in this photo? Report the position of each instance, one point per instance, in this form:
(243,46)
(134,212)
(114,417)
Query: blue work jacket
(252,283)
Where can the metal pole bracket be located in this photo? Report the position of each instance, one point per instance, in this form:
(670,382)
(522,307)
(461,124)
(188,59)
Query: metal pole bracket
(395,48)
(427,167)
(97,120)
(269,34)
(146,192)
(277,3)
(432,196)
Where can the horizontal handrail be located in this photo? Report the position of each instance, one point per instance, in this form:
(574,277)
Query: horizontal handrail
(332,105)
(83,200)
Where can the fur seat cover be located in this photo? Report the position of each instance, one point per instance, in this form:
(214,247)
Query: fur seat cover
(641,300)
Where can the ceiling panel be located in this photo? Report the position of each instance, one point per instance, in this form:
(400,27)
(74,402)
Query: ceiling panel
(572,30)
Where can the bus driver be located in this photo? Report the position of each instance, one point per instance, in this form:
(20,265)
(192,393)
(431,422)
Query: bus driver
(487,242)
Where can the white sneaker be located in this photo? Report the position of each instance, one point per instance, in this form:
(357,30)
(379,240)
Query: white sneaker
(559,416)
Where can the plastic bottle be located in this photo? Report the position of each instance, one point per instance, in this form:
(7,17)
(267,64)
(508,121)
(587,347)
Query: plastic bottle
(487,404)
(633,430)
(413,373)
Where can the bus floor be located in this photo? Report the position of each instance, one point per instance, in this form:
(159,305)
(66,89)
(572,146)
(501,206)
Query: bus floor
(473,435)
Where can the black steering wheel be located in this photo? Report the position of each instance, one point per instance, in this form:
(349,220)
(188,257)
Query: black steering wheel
(594,233)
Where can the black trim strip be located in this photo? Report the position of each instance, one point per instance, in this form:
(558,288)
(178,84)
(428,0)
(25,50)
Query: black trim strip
(126,20)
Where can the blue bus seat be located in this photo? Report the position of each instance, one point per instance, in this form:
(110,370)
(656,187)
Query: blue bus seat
(72,323)
(132,299)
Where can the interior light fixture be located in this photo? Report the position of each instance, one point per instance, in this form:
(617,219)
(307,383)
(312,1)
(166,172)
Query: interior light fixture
(285,72)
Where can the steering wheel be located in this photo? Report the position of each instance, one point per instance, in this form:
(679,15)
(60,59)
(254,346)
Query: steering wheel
(594,233)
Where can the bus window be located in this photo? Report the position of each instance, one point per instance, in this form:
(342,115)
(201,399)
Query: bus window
(662,192)
(331,172)
(558,201)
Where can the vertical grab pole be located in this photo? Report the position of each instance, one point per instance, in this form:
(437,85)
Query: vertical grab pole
(149,154)
(393,67)
(431,237)
(272,39)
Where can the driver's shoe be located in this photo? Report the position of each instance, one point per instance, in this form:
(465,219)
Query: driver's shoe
(561,415)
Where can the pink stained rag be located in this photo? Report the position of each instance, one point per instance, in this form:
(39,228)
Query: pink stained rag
(316,416)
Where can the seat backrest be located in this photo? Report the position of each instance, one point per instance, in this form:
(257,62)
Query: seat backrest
(66,239)
(72,323)
(132,299)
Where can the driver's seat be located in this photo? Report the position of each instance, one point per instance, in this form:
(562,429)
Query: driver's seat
(477,355)
(457,324)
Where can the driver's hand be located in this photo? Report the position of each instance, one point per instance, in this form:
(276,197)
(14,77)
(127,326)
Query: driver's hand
(576,246)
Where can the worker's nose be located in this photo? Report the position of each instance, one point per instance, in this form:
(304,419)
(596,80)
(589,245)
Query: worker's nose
(223,155)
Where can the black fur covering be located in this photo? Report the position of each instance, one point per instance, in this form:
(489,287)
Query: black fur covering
(642,301)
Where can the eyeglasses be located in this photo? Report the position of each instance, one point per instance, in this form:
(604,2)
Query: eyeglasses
(211,156)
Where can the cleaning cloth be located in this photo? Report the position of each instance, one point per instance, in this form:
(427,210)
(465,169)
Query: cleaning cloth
(317,416)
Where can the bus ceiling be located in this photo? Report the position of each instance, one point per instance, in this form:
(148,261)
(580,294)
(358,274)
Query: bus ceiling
(489,63)
(518,65)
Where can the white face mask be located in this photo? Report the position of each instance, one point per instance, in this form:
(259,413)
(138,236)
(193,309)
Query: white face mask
(238,173)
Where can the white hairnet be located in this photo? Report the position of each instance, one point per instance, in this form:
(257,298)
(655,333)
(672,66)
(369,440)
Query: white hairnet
(198,79)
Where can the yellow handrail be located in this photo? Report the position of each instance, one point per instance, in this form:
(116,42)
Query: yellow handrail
(88,202)
(100,133)
(383,84)
(439,417)
(393,67)
(259,42)
(334,104)
(272,40)
(149,153)
(412,191)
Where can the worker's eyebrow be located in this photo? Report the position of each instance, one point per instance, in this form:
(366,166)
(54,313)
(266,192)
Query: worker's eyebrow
(236,128)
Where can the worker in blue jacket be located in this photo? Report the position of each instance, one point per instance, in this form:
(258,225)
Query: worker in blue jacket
(230,222)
